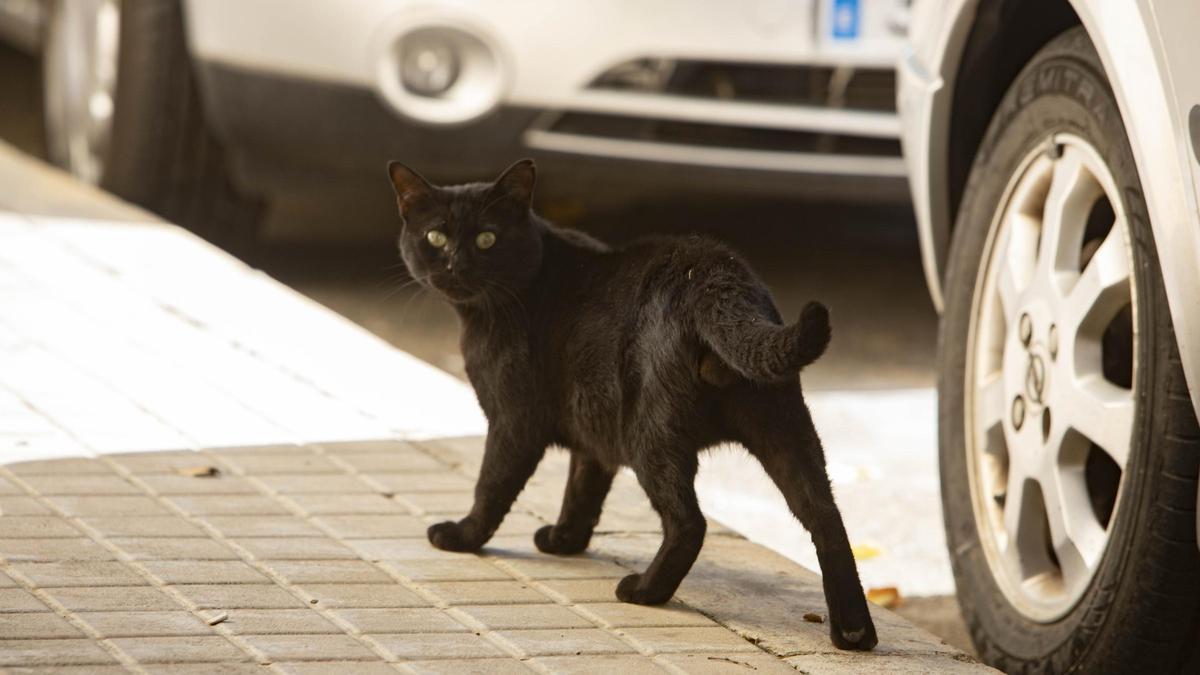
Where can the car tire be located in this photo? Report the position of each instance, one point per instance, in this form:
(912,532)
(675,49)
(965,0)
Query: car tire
(157,150)
(1138,610)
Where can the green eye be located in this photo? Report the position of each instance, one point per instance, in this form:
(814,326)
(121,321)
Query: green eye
(435,238)
(485,239)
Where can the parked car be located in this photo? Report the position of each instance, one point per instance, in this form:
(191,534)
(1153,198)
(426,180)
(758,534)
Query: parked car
(199,108)
(1053,153)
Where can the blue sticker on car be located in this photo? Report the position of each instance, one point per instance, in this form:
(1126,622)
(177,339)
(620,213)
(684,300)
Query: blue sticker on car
(845,19)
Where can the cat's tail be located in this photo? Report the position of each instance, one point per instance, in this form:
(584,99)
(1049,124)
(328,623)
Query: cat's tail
(762,350)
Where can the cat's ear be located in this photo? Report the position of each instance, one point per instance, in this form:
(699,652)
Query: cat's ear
(517,181)
(410,187)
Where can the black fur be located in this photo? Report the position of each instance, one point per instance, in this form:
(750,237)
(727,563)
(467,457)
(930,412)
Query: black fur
(638,357)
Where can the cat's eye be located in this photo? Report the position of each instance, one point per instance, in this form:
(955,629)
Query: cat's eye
(485,239)
(436,238)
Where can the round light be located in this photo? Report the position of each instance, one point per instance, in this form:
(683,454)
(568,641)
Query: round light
(485,240)
(435,238)
(429,66)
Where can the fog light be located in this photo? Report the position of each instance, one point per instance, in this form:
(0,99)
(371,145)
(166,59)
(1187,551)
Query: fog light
(428,66)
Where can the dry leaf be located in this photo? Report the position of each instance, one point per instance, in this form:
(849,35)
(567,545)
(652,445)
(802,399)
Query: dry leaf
(813,617)
(887,596)
(200,471)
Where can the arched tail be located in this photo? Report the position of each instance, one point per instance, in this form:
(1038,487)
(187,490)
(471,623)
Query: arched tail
(762,350)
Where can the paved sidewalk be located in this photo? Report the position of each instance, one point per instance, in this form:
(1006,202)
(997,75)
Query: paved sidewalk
(202,471)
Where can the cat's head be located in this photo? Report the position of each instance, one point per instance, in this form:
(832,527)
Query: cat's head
(470,242)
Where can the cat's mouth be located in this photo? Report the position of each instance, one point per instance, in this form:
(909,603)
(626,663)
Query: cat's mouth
(456,290)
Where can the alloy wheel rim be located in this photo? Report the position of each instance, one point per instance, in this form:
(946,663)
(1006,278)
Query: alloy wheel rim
(1050,395)
(80,80)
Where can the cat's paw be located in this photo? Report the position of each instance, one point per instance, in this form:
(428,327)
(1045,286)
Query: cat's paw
(451,536)
(631,590)
(861,639)
(559,541)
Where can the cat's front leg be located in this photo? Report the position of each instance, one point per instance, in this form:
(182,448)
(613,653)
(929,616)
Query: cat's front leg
(509,459)
(588,482)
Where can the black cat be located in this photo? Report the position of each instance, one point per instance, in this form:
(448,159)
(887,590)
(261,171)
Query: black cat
(641,357)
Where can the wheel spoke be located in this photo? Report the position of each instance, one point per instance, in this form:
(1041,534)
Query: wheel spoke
(1103,287)
(990,408)
(1072,529)
(1073,190)
(1101,411)
(1017,262)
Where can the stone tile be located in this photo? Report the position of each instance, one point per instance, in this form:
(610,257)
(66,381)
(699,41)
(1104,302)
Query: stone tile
(35,526)
(362,595)
(565,641)
(300,548)
(335,668)
(168,548)
(167,462)
(468,667)
(8,488)
(239,596)
(300,461)
(402,549)
(485,592)
(403,461)
(239,668)
(462,569)
(52,653)
(111,505)
(328,571)
(412,620)
(221,484)
(582,590)
(500,617)
(318,505)
(279,621)
(67,670)
(144,526)
(226,505)
(567,567)
(720,664)
(900,664)
(622,615)
(77,466)
(144,624)
(108,484)
(20,600)
(522,524)
(438,646)
(690,639)
(585,665)
(262,526)
(407,483)
(374,527)
(21,506)
(51,550)
(204,572)
(39,625)
(441,503)
(79,573)
(6,581)
(311,648)
(113,599)
(315,484)
(186,649)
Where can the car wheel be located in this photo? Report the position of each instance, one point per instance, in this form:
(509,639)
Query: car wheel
(123,111)
(1068,443)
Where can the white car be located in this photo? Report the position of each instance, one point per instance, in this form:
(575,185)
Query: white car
(1053,154)
(196,108)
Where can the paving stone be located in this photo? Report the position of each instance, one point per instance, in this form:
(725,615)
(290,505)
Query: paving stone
(623,614)
(112,505)
(407,461)
(467,667)
(6,581)
(9,488)
(522,524)
(35,526)
(165,462)
(262,526)
(222,484)
(362,595)
(300,548)
(51,550)
(437,645)
(39,625)
(110,484)
(412,620)
(204,572)
(144,624)
(311,648)
(499,617)
(204,649)
(67,670)
(144,526)
(585,665)
(206,669)
(239,596)
(79,573)
(440,503)
(52,653)
(565,641)
(374,527)
(582,590)
(20,600)
(900,664)
(300,461)
(328,571)
(21,506)
(223,505)
(318,505)
(335,668)
(166,548)
(690,639)
(408,483)
(402,549)
(485,592)
(77,466)
(462,569)
(737,662)
(280,621)
(113,598)
(315,484)
(567,567)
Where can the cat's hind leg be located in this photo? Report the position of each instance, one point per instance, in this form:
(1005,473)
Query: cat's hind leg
(588,482)
(775,426)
